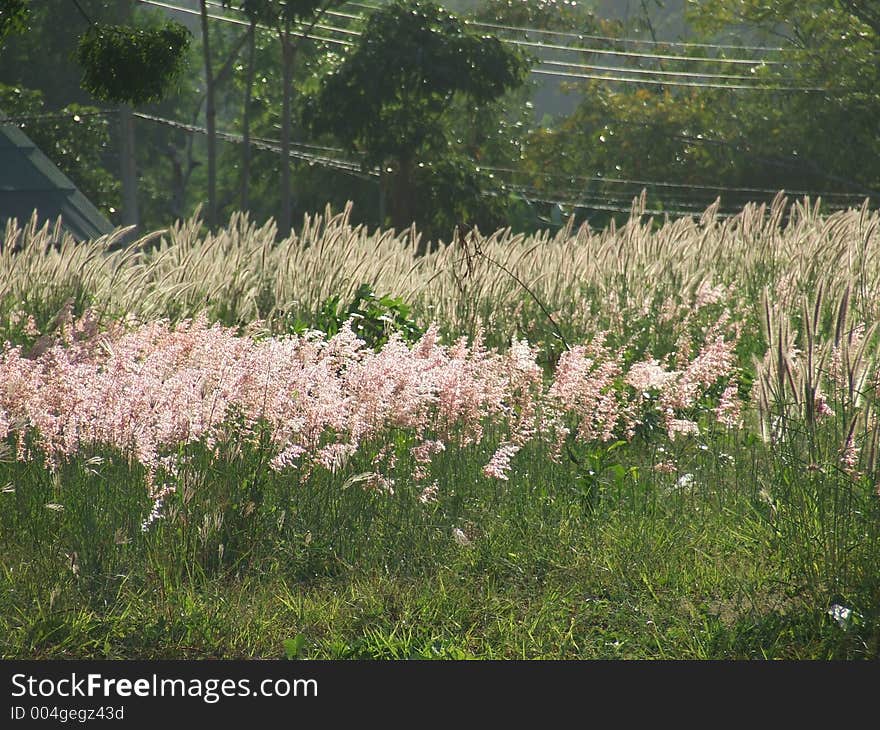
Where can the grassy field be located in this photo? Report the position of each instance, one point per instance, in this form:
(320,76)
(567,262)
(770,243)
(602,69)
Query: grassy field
(654,441)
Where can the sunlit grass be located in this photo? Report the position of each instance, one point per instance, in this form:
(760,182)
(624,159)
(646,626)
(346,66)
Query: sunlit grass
(732,541)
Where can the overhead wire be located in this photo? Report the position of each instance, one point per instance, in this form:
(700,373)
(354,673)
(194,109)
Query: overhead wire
(562,74)
(229,19)
(664,184)
(236,21)
(268,145)
(55,115)
(586,36)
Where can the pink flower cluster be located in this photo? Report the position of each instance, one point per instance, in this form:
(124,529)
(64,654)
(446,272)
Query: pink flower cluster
(589,383)
(148,389)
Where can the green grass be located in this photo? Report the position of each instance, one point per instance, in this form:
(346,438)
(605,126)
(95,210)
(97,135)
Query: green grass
(252,564)
(744,561)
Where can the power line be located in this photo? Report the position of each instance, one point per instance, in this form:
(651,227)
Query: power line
(592,202)
(626,41)
(602,51)
(344,31)
(663,184)
(562,198)
(538,71)
(584,36)
(235,21)
(275,146)
(55,115)
(660,82)
(582,204)
(636,54)
(267,145)
(689,204)
(82,12)
(559,74)
(800,165)
(654,72)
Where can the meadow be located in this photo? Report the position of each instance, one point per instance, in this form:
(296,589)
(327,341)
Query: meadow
(656,440)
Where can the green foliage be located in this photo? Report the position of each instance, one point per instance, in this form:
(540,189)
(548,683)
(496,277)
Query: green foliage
(132,65)
(547,15)
(830,45)
(272,12)
(388,99)
(13,17)
(373,318)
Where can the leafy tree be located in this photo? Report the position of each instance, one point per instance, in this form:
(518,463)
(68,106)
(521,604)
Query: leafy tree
(128,65)
(388,99)
(499,136)
(695,138)
(121,63)
(13,17)
(292,21)
(124,57)
(831,46)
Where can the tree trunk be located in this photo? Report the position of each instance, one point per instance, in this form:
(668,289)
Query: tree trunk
(210,119)
(383,185)
(246,120)
(402,195)
(287,57)
(130,214)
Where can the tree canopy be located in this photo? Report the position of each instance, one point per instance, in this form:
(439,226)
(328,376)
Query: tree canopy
(132,65)
(387,98)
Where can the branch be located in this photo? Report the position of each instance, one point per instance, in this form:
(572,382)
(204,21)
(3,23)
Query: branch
(83,13)
(233,54)
(479,252)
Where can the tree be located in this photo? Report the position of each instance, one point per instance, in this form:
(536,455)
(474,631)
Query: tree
(293,21)
(13,17)
(132,65)
(389,97)
(831,46)
(212,79)
(122,62)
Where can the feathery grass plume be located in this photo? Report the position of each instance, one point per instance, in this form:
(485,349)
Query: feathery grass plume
(588,280)
(150,389)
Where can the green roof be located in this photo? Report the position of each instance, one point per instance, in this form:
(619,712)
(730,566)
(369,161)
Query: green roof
(30,181)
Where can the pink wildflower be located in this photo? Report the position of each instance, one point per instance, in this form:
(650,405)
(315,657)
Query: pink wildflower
(729,410)
(499,464)
(429,493)
(424,451)
(648,375)
(707,294)
(683,426)
(821,407)
(665,467)
(849,456)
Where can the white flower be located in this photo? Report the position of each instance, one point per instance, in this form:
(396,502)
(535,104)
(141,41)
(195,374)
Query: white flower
(684,481)
(841,614)
(461,537)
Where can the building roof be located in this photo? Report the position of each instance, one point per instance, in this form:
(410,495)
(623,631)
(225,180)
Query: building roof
(30,181)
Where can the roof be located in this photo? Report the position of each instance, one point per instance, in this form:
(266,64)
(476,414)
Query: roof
(30,181)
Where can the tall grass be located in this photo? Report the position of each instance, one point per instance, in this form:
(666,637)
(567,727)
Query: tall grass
(588,278)
(694,474)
